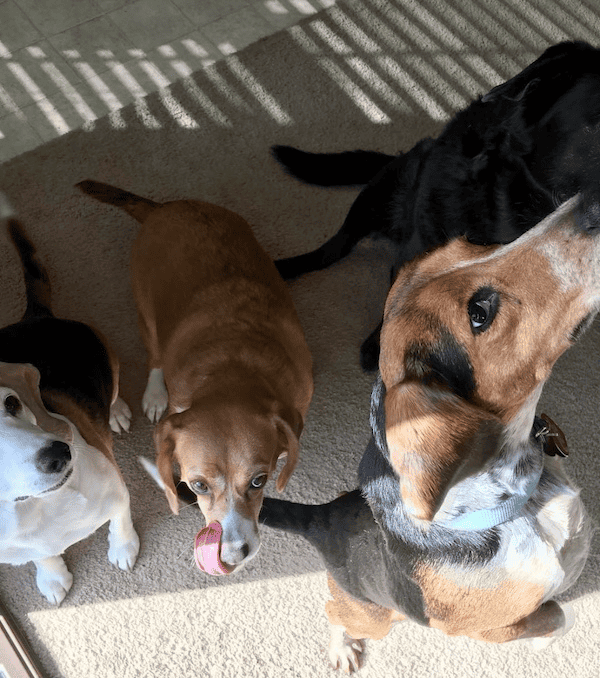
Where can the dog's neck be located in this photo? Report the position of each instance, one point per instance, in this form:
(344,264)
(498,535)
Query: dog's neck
(484,500)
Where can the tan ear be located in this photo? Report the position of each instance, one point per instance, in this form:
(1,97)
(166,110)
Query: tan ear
(24,378)
(435,439)
(289,424)
(165,449)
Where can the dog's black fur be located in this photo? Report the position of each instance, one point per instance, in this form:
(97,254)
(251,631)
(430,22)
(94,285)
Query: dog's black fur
(498,168)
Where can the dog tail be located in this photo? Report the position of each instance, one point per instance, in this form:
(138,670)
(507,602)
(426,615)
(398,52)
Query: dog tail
(37,283)
(137,207)
(289,516)
(320,524)
(349,168)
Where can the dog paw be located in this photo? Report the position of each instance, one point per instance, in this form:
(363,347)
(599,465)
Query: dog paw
(53,579)
(156,398)
(344,652)
(124,555)
(120,416)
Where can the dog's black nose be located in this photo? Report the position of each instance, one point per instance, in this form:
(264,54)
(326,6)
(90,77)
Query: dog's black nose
(54,458)
(587,214)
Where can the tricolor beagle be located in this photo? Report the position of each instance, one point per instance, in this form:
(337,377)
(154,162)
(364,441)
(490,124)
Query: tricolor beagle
(461,522)
(227,356)
(59,481)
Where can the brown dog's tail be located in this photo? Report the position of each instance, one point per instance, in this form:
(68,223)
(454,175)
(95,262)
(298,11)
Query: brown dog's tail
(37,282)
(137,207)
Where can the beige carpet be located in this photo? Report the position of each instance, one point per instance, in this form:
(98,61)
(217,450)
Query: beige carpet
(367,74)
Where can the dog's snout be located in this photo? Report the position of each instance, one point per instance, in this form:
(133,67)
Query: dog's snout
(587,215)
(234,553)
(53,458)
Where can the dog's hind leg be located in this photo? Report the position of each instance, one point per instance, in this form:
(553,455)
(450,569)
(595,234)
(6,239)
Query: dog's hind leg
(541,627)
(369,214)
(369,351)
(352,621)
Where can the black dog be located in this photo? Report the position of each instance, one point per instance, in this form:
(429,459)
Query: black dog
(498,168)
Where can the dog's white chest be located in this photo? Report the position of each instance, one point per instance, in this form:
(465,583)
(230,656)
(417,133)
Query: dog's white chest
(45,526)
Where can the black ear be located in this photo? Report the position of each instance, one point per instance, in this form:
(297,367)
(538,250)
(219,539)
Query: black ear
(445,363)
(434,439)
(555,68)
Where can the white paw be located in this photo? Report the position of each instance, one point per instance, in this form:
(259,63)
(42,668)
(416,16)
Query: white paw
(120,416)
(124,555)
(156,398)
(344,652)
(53,579)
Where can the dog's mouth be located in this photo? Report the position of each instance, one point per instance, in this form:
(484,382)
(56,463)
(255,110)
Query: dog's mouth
(207,551)
(58,485)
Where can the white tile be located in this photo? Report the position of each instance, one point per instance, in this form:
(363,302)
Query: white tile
(150,23)
(17,30)
(206,11)
(27,75)
(283,13)
(93,42)
(55,16)
(236,31)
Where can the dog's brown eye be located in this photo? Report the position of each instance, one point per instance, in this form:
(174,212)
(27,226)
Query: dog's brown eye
(482,309)
(258,482)
(12,404)
(199,487)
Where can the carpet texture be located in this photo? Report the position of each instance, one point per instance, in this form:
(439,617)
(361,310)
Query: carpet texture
(366,74)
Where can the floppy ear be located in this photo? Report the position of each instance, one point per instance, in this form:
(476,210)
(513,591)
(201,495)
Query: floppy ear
(165,448)
(289,424)
(435,438)
(25,379)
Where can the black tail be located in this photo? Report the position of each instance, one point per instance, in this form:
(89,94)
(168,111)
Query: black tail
(133,204)
(327,527)
(349,168)
(290,517)
(37,282)
(336,248)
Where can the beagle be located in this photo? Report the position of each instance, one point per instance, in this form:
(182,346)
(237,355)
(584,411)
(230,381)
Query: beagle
(461,522)
(227,356)
(59,481)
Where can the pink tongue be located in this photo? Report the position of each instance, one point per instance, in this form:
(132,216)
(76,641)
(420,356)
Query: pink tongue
(206,550)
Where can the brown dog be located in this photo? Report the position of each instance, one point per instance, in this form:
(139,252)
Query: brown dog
(227,357)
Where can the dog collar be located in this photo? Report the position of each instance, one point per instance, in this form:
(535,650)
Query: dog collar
(553,443)
(484,519)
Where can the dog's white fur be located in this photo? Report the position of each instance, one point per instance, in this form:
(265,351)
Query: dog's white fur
(42,517)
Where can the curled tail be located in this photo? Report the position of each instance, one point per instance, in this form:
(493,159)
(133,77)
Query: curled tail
(37,282)
(137,207)
(349,168)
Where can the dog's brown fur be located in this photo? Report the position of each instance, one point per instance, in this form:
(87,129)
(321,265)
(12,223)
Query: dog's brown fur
(218,320)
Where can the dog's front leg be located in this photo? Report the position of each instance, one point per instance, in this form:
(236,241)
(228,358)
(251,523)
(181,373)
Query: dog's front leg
(120,416)
(123,541)
(344,652)
(156,398)
(53,579)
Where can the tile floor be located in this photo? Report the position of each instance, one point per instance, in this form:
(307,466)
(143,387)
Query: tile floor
(66,63)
